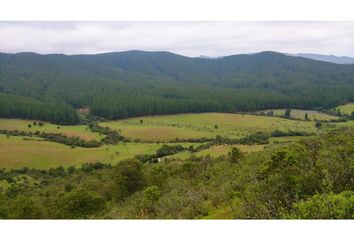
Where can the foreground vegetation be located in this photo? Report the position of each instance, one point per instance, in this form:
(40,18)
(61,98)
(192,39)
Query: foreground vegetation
(312,178)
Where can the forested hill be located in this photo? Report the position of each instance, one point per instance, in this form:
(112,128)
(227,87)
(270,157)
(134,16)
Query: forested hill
(134,83)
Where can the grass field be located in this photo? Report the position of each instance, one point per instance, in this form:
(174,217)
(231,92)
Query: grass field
(81,131)
(347,108)
(300,114)
(218,150)
(185,126)
(16,152)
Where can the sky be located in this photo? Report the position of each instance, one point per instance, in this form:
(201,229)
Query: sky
(186,38)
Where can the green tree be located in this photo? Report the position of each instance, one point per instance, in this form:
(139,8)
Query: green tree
(24,208)
(306,117)
(79,204)
(127,178)
(325,206)
(235,155)
(152,193)
(287,113)
(352,116)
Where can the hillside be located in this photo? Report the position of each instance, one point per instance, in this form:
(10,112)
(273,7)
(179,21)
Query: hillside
(136,83)
(326,58)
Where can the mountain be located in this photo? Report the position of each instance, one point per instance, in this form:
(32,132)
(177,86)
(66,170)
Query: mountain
(135,83)
(326,58)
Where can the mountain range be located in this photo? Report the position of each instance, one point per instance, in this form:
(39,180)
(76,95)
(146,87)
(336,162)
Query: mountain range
(326,58)
(135,83)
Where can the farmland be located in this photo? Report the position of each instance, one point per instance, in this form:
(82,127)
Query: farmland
(208,125)
(16,152)
(300,114)
(346,108)
(80,131)
(34,152)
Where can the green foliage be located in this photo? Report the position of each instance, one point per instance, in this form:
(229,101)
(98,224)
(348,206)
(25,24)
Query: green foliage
(287,113)
(235,155)
(166,150)
(352,116)
(325,206)
(55,137)
(24,207)
(312,178)
(127,178)
(79,204)
(152,193)
(13,106)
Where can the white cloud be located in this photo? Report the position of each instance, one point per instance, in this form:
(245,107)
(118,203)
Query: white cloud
(186,38)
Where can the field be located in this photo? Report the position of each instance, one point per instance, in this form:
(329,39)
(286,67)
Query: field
(36,153)
(347,108)
(300,114)
(209,125)
(81,131)
(16,152)
(218,150)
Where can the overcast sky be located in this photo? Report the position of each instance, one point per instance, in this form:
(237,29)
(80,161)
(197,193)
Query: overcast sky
(186,38)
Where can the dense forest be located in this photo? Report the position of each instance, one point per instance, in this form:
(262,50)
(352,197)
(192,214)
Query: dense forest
(309,179)
(135,83)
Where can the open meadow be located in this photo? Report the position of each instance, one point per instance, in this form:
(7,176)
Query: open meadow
(81,131)
(34,152)
(300,114)
(346,108)
(15,152)
(208,125)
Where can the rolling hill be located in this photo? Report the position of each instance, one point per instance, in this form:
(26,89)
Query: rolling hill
(136,83)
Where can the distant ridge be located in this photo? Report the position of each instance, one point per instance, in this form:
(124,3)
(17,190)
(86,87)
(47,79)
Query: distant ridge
(326,58)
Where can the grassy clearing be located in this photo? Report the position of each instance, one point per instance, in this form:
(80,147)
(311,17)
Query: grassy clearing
(346,108)
(185,126)
(300,114)
(282,140)
(219,150)
(81,131)
(16,152)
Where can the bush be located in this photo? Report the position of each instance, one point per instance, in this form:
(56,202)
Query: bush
(80,204)
(127,178)
(325,206)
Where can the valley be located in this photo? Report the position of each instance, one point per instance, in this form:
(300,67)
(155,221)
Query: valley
(157,135)
(145,135)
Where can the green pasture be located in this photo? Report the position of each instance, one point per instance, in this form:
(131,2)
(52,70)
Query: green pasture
(15,152)
(300,114)
(81,131)
(346,108)
(184,126)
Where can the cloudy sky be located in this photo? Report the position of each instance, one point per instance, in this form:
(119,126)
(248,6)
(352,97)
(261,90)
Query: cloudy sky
(186,38)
